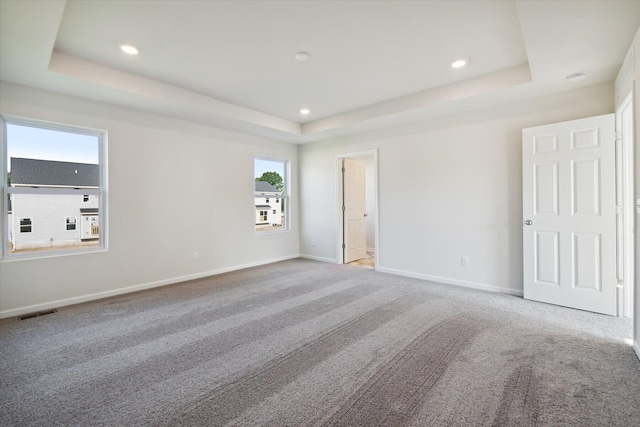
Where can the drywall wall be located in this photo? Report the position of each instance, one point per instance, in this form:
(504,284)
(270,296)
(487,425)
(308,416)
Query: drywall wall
(636,107)
(174,188)
(624,86)
(448,188)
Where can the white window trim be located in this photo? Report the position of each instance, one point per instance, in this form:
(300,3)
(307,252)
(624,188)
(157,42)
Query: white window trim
(285,195)
(101,192)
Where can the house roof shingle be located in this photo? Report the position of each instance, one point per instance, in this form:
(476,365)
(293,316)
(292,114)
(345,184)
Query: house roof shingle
(53,173)
(265,187)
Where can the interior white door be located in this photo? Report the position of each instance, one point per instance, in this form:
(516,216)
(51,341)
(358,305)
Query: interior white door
(354,196)
(569,210)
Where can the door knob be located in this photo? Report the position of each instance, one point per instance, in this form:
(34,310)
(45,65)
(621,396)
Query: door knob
(528,222)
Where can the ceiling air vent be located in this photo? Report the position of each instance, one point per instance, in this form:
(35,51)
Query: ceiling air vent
(37,314)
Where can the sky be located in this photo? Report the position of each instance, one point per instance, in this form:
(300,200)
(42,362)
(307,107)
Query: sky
(46,144)
(269,166)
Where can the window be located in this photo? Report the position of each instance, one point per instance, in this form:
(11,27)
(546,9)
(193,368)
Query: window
(53,173)
(271,183)
(71,223)
(25,225)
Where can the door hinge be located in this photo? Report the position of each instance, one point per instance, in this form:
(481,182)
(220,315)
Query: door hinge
(343,208)
(344,246)
(343,170)
(618,136)
(619,209)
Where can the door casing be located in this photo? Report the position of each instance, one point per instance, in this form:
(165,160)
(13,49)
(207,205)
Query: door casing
(625,199)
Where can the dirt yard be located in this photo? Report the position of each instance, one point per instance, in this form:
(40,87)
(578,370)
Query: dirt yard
(91,243)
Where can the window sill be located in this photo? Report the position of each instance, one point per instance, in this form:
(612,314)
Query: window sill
(269,232)
(53,254)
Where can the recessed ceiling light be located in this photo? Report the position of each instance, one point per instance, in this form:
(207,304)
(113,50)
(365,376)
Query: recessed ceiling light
(459,63)
(305,111)
(576,77)
(302,56)
(129,49)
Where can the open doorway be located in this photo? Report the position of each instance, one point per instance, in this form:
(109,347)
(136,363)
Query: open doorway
(357,213)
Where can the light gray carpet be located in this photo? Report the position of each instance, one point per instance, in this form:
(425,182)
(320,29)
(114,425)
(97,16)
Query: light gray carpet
(307,343)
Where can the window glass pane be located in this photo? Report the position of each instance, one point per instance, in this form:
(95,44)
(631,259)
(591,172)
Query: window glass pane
(48,228)
(270,193)
(47,173)
(25,225)
(32,143)
(71,224)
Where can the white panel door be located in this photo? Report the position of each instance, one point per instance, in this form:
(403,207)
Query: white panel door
(355,226)
(569,214)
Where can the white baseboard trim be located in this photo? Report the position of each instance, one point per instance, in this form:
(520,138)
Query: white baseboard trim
(449,281)
(372,250)
(99,295)
(636,348)
(319,258)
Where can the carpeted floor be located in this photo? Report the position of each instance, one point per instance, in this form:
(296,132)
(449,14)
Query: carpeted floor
(307,343)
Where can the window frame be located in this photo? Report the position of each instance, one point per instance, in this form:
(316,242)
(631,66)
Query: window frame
(285,196)
(101,191)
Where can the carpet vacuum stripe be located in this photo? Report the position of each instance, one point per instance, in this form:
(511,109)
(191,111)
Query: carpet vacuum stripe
(520,403)
(391,396)
(226,402)
(57,357)
(122,382)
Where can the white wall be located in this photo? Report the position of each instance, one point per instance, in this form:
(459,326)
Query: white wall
(174,188)
(448,187)
(634,84)
(636,107)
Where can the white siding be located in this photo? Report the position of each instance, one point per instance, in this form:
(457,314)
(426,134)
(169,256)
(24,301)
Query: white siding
(48,214)
(273,218)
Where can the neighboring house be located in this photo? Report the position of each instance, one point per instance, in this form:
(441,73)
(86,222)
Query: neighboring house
(268,204)
(48,220)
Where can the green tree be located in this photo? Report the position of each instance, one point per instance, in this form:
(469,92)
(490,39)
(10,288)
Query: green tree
(272,178)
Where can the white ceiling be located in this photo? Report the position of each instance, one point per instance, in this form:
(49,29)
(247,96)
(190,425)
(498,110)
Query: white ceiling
(373,63)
